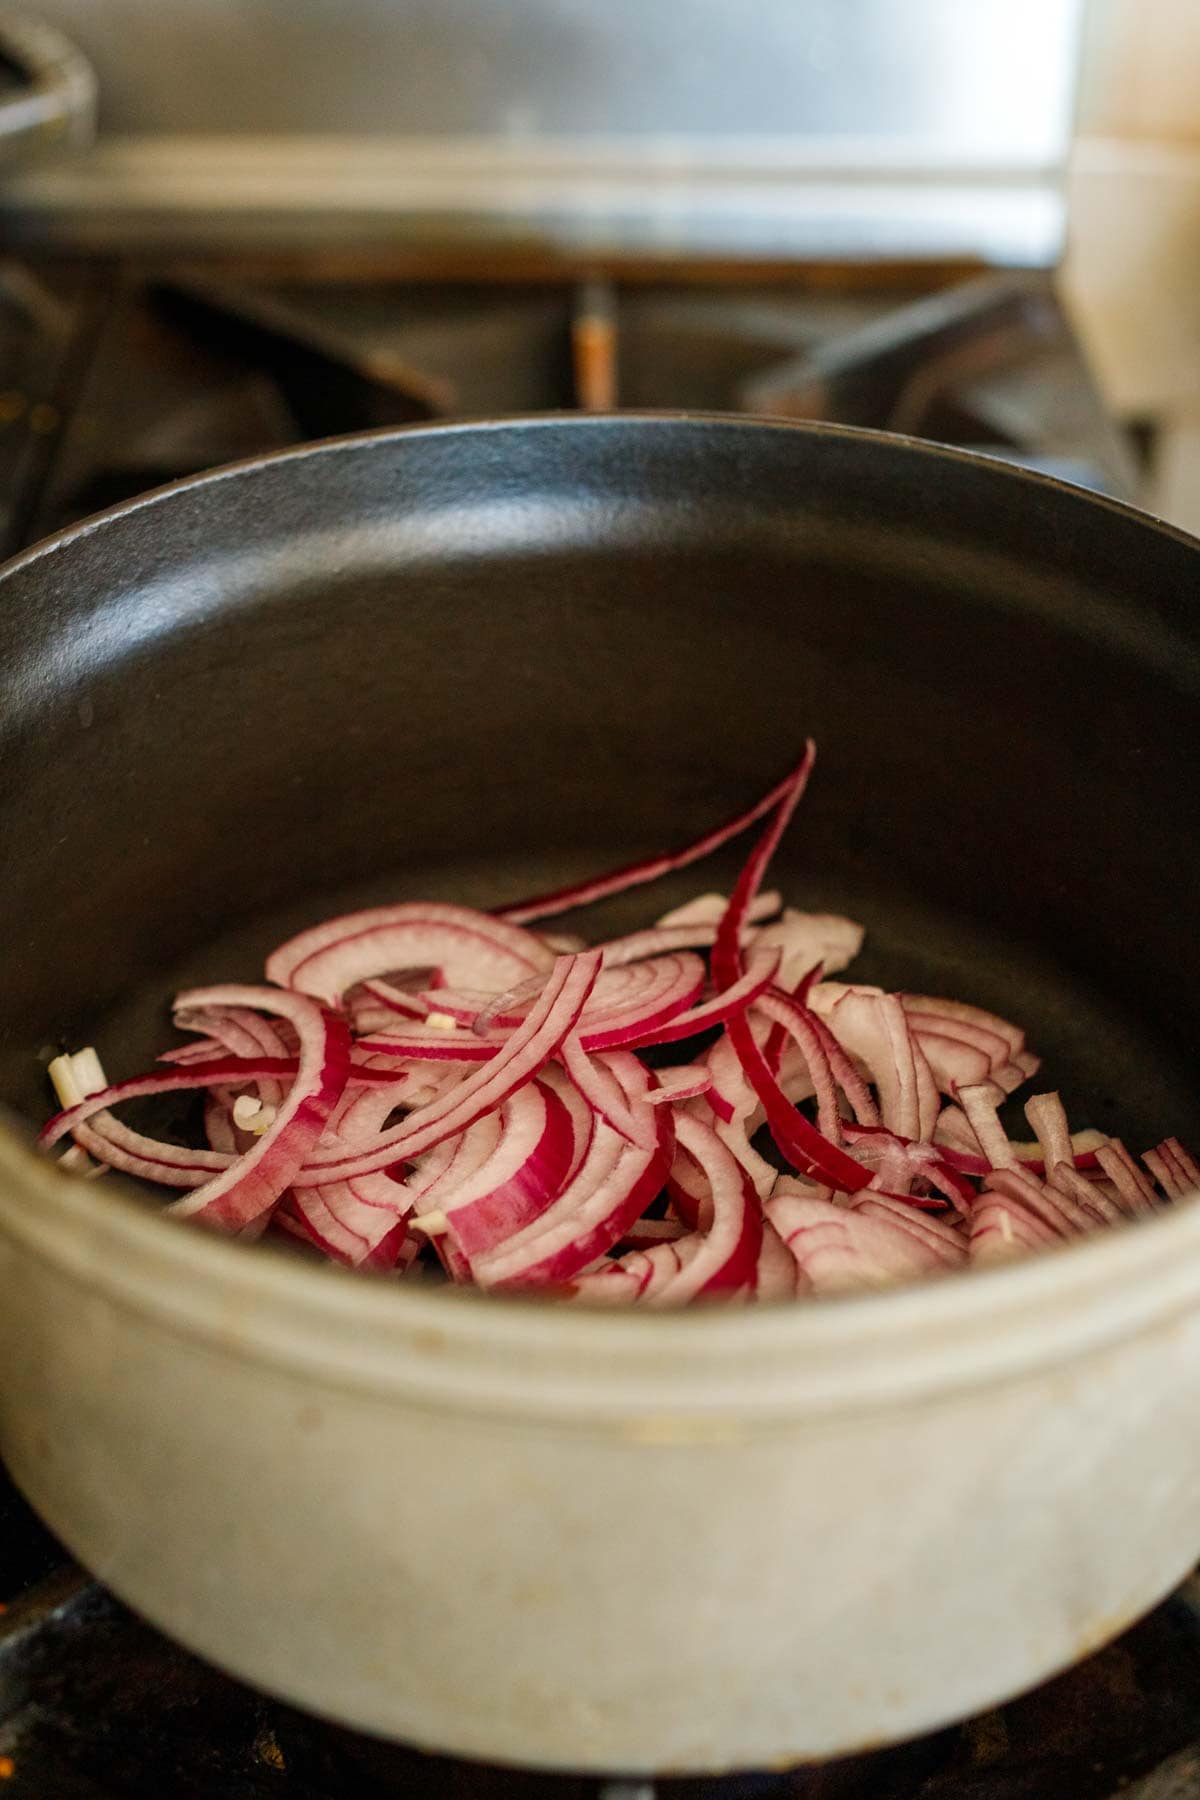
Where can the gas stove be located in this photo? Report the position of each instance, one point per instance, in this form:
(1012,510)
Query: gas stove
(118,374)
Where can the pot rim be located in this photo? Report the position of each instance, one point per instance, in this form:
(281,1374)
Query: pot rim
(668,1377)
(657,1377)
(598,424)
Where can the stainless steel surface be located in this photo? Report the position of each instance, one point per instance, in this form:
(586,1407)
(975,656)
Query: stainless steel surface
(763,201)
(939,74)
(49,98)
(816,128)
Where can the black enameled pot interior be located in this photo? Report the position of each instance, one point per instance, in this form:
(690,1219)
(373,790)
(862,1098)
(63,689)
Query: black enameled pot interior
(468,661)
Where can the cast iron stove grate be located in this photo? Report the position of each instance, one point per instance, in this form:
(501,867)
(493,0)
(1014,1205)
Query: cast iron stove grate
(115,379)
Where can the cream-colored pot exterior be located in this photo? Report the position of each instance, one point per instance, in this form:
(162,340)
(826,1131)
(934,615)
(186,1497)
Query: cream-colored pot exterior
(612,1542)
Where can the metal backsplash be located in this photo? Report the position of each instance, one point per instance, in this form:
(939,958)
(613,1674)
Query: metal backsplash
(810,126)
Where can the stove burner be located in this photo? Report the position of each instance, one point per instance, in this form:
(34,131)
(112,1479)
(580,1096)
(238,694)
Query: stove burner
(114,380)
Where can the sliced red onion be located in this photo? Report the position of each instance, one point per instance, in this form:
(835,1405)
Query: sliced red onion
(246,1033)
(727,1259)
(526,1052)
(1173,1168)
(840,1249)
(810,940)
(707,909)
(1048,1117)
(636,873)
(613,1187)
(148,1158)
(427,1044)
(345,1229)
(776,1275)
(979,1105)
(687,1081)
(735,1139)
(736,998)
(643,1234)
(242,1197)
(597,1081)
(395,1000)
(803,1145)
(451,1164)
(534,1142)
(798,1024)
(532,1160)
(875,1145)
(1094,1200)
(954,1064)
(219,1127)
(686,1187)
(470,949)
(614,1283)
(968,1020)
(1003,1227)
(847,1077)
(873,1028)
(941,1239)
(731,1095)
(806,1148)
(231,1070)
(1134,1192)
(628,1003)
(1060,1211)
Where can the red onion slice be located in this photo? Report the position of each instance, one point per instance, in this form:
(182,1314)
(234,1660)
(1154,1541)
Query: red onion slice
(687,1081)
(232,1071)
(634,874)
(941,1239)
(1135,1194)
(968,1020)
(471,949)
(346,1230)
(629,1002)
(597,1080)
(430,1045)
(532,1159)
(392,1000)
(528,1049)
(808,941)
(727,1259)
(842,1250)
(1003,1227)
(243,1196)
(873,1028)
(1058,1210)
(797,1023)
(777,1272)
(150,1159)
(707,909)
(1171,1165)
(738,997)
(613,1187)
(803,1145)
(922,1162)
